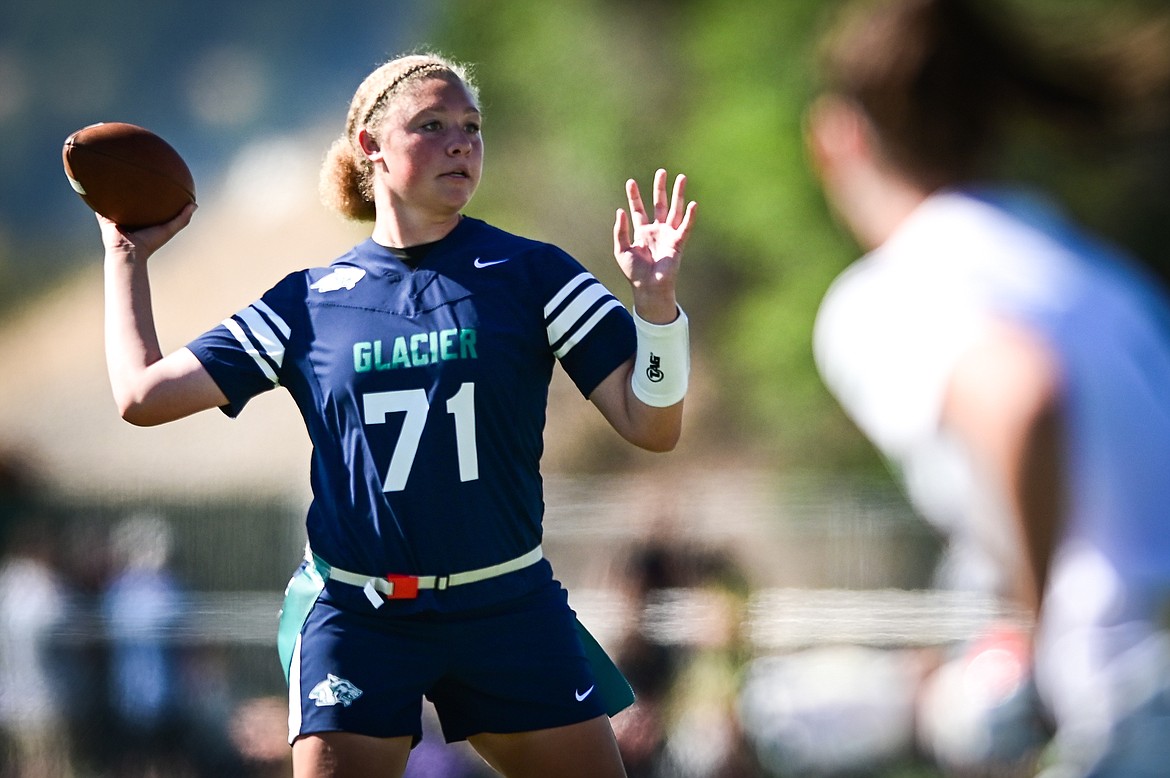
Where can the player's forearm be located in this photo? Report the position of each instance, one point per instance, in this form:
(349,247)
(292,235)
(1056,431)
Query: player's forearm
(653,428)
(130,337)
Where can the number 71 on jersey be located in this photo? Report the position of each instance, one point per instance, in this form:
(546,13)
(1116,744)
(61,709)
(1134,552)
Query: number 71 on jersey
(376,406)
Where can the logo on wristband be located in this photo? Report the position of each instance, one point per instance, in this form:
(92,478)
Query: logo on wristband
(654,371)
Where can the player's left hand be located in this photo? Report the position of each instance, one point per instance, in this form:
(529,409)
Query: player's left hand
(650,258)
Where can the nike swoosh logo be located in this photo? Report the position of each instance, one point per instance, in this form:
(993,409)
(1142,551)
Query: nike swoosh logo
(481,264)
(582,695)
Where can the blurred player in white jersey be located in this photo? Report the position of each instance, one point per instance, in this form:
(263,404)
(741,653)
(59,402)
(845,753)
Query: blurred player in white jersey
(1014,368)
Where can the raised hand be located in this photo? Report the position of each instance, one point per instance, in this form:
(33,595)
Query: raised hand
(651,255)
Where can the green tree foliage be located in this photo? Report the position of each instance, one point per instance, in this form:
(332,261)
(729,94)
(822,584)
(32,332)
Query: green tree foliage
(580,94)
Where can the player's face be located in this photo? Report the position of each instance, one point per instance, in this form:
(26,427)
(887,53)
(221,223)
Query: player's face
(432,148)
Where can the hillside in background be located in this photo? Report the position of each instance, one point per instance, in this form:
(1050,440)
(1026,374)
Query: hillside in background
(577,96)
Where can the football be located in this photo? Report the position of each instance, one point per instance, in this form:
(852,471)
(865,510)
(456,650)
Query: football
(127,174)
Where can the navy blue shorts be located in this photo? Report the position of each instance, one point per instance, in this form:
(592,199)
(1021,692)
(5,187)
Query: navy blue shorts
(515,667)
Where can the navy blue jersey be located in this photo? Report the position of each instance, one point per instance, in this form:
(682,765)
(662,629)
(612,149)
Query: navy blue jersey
(424,392)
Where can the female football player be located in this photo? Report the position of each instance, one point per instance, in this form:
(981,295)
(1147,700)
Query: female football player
(420,360)
(1015,368)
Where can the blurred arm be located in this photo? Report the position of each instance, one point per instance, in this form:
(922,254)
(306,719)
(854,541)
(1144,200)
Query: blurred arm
(1003,401)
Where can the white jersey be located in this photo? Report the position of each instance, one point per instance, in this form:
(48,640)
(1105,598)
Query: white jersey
(887,338)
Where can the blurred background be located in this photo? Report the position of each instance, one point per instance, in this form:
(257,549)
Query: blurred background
(765,586)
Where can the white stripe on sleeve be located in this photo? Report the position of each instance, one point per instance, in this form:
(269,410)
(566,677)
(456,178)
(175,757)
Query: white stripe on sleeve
(242,337)
(263,334)
(566,290)
(568,319)
(587,327)
(274,317)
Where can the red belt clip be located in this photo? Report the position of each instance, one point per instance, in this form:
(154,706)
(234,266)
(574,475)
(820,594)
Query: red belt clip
(402,587)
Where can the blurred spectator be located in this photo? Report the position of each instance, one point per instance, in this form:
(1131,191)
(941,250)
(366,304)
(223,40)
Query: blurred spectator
(684,653)
(143,608)
(1012,366)
(34,606)
(19,486)
(650,666)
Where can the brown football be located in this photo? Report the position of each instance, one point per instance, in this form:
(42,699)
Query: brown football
(127,174)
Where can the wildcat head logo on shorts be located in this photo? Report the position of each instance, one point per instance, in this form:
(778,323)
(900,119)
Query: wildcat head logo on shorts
(334,690)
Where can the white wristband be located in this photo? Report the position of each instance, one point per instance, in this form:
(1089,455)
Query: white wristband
(663,362)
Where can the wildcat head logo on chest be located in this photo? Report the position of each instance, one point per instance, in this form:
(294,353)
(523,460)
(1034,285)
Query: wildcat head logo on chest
(341,278)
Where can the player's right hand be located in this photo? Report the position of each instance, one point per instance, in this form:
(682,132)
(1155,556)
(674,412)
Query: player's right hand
(140,244)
